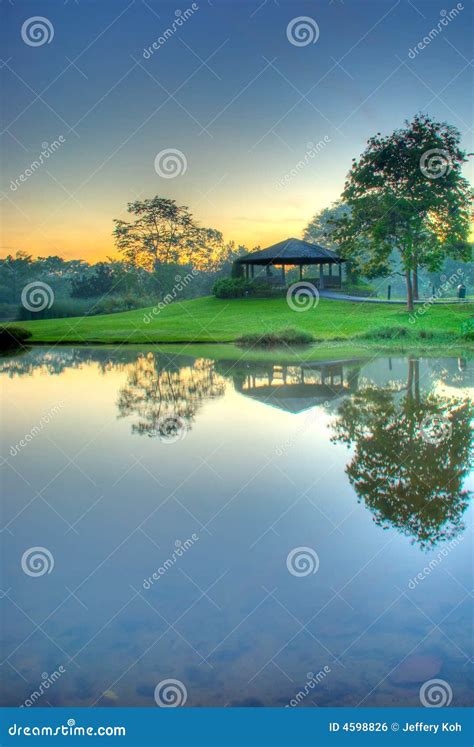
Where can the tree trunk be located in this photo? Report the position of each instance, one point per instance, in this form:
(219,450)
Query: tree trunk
(409,291)
(415,283)
(410,379)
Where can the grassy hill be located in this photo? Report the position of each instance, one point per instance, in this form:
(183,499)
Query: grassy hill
(213,320)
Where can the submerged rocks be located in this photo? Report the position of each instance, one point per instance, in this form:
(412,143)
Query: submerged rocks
(416,669)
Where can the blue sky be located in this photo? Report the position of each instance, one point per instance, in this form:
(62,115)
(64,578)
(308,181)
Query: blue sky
(228,90)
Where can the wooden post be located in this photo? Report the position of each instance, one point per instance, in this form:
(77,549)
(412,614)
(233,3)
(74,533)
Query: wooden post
(253,270)
(283,280)
(301,272)
(340,274)
(321,275)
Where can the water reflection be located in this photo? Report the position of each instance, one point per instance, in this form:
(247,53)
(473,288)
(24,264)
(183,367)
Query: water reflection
(332,455)
(407,477)
(405,480)
(296,388)
(159,389)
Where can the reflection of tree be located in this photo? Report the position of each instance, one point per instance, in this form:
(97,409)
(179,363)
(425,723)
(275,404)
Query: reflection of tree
(60,359)
(155,391)
(406,481)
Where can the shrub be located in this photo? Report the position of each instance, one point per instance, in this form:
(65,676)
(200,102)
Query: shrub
(363,291)
(387,333)
(115,304)
(240,287)
(288,336)
(13,337)
(231,288)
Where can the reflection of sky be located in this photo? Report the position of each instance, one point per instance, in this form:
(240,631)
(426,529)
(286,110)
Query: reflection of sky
(260,99)
(253,482)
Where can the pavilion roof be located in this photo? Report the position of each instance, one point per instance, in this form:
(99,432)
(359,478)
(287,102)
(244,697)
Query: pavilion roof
(292,251)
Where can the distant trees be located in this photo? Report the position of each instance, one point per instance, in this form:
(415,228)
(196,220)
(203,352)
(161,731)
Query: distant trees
(322,230)
(162,232)
(106,278)
(322,226)
(407,193)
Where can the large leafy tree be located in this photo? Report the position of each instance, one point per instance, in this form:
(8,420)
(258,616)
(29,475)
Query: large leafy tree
(407,193)
(162,232)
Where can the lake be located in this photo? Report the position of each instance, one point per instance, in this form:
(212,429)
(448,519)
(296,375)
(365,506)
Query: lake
(260,533)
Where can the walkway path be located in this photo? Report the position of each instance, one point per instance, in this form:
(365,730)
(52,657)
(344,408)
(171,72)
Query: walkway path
(361,299)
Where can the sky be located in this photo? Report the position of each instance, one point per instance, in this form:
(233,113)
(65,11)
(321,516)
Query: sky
(262,111)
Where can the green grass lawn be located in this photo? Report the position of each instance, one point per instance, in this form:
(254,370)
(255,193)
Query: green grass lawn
(215,321)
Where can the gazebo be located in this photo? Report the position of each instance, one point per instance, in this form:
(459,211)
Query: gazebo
(296,388)
(293,252)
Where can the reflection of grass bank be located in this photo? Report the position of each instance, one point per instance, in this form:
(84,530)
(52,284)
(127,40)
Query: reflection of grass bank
(210,320)
(317,352)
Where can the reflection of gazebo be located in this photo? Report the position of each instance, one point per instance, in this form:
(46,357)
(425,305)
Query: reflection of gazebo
(295,388)
(293,252)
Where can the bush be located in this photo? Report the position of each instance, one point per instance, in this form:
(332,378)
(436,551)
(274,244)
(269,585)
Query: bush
(363,291)
(240,287)
(231,288)
(115,304)
(288,336)
(387,333)
(13,337)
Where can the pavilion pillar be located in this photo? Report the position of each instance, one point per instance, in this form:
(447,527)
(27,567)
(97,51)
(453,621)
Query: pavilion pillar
(330,270)
(340,274)
(301,272)
(253,270)
(246,272)
(283,279)
(321,275)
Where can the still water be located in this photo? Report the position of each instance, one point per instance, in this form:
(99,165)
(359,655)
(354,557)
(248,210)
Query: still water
(262,533)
